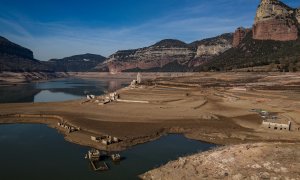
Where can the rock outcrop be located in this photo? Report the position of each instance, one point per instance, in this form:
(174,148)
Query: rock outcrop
(239,35)
(275,21)
(167,52)
(211,47)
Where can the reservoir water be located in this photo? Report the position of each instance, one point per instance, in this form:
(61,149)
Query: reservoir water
(34,151)
(59,90)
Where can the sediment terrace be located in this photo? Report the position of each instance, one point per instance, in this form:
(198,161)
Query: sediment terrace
(212,107)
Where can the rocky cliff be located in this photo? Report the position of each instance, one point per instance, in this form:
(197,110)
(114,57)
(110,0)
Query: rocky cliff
(16,58)
(275,21)
(168,54)
(209,48)
(239,35)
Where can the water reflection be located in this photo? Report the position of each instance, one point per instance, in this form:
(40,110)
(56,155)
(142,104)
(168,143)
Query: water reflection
(48,96)
(114,85)
(59,90)
(18,93)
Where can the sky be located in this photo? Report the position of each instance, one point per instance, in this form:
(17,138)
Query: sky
(61,28)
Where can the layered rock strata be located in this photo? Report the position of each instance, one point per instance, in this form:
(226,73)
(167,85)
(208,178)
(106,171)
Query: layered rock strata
(166,52)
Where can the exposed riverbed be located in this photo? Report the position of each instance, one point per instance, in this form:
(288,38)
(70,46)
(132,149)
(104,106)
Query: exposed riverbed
(34,151)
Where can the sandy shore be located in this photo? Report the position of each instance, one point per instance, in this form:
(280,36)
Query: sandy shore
(212,107)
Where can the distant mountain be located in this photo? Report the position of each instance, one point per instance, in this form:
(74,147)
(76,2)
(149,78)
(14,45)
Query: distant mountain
(77,63)
(171,43)
(14,57)
(167,55)
(10,48)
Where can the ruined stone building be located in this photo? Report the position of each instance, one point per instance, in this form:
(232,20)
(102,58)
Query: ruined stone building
(277,126)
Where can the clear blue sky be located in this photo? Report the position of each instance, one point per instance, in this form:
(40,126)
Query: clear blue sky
(59,28)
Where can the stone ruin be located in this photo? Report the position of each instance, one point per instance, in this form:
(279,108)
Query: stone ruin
(105,140)
(139,78)
(90,97)
(69,128)
(277,126)
(136,81)
(104,99)
(272,121)
(111,97)
(133,83)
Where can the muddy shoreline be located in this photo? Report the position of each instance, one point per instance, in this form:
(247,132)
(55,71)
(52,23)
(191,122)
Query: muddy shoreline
(208,113)
(77,137)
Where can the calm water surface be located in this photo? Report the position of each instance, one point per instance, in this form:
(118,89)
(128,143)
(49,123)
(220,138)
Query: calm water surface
(37,152)
(29,151)
(58,90)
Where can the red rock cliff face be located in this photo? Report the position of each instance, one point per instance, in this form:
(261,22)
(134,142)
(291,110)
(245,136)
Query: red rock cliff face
(275,21)
(239,35)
